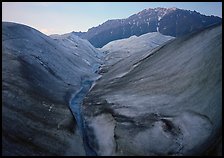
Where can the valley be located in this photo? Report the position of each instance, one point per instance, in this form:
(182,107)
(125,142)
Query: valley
(137,92)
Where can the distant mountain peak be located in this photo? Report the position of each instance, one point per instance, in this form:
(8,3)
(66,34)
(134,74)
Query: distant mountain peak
(168,21)
(173,8)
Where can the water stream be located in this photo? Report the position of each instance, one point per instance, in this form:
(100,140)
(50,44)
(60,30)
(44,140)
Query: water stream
(75,105)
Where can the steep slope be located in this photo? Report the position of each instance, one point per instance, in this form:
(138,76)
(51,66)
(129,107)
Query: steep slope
(39,76)
(168,21)
(132,47)
(169,103)
(91,56)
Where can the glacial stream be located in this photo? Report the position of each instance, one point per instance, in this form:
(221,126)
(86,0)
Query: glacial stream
(75,105)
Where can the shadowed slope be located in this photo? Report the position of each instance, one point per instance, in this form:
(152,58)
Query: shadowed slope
(39,76)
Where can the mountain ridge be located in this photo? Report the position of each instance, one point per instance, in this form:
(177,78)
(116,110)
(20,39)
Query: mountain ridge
(168,21)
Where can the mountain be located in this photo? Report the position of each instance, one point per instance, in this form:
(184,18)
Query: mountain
(168,21)
(168,102)
(39,77)
(132,47)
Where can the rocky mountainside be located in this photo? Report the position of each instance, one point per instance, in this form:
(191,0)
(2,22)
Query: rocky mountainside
(39,76)
(168,21)
(166,103)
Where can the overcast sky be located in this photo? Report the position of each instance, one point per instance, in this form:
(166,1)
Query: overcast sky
(64,17)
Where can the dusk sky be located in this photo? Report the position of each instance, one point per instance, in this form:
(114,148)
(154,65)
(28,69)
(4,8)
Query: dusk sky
(65,17)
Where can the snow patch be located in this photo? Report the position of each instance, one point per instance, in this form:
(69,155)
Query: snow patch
(103,130)
(122,74)
(159,18)
(86,61)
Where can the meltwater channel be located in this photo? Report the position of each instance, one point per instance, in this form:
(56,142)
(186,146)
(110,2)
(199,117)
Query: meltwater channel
(75,105)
